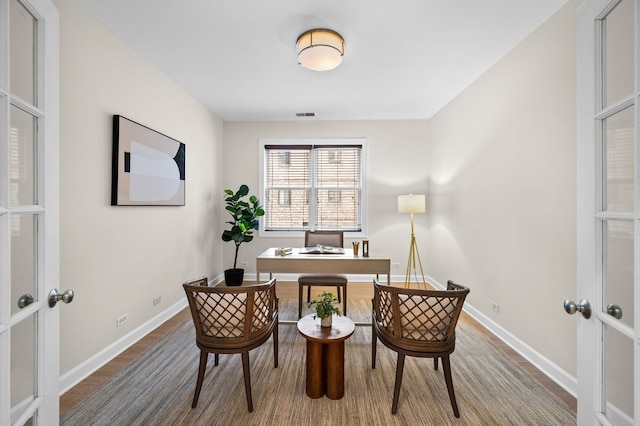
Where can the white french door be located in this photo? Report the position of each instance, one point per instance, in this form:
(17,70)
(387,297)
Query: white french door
(608,213)
(29,212)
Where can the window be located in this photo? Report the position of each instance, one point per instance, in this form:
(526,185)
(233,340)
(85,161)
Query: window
(323,182)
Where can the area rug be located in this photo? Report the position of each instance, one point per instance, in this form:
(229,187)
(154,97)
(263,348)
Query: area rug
(157,388)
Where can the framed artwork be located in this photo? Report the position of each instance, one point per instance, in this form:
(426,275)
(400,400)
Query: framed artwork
(148,167)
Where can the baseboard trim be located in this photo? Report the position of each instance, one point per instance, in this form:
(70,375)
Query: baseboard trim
(551,370)
(84,370)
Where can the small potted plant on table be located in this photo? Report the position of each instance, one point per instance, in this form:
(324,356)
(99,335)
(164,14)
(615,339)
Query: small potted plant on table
(325,308)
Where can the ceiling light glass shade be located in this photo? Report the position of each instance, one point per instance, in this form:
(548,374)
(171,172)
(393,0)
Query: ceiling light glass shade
(320,49)
(411,203)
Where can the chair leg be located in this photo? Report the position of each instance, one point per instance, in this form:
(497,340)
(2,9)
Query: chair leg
(203,366)
(435,363)
(274,336)
(446,365)
(374,341)
(247,379)
(396,389)
(308,293)
(216,358)
(300,301)
(344,299)
(338,291)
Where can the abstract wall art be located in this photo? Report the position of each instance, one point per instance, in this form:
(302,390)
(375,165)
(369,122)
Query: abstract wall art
(148,167)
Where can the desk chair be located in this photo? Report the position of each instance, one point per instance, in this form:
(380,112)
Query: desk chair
(418,323)
(326,238)
(230,320)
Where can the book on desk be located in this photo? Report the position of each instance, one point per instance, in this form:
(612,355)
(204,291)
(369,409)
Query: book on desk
(321,249)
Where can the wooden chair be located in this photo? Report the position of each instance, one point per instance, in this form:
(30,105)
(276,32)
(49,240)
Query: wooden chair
(326,238)
(419,323)
(231,320)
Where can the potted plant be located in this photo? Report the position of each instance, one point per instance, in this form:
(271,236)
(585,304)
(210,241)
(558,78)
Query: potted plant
(244,221)
(325,308)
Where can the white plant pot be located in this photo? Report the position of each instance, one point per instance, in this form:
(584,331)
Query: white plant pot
(326,321)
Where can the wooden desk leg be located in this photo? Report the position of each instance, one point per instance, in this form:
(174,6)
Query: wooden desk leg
(315,386)
(334,367)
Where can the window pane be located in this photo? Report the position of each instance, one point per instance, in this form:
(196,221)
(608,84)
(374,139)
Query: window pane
(618,157)
(618,52)
(618,268)
(282,216)
(618,373)
(338,181)
(287,187)
(22,158)
(24,249)
(23,365)
(342,212)
(23,52)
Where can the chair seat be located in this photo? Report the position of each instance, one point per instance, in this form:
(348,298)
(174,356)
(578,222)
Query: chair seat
(322,279)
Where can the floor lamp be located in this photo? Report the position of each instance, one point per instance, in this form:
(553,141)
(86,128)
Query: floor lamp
(412,204)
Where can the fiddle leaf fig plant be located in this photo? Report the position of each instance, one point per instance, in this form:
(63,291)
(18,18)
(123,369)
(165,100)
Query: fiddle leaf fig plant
(244,217)
(324,305)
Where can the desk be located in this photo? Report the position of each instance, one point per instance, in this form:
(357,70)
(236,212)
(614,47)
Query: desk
(325,355)
(348,263)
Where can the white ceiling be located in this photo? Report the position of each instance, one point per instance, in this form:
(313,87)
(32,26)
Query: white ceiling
(404,59)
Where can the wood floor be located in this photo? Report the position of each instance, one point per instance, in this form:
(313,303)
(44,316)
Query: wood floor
(284,290)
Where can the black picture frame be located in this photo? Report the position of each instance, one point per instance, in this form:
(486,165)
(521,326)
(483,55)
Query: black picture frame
(149,168)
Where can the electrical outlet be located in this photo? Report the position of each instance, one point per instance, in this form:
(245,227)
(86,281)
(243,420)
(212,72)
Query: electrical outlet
(395,265)
(121,320)
(495,307)
(244,263)
(157,300)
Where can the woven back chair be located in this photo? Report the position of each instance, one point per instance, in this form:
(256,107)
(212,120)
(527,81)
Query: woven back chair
(325,238)
(231,320)
(418,323)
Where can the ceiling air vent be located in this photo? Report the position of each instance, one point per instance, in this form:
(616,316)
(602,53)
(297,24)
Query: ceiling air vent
(305,114)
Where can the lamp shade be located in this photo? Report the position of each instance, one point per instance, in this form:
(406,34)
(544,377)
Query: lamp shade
(320,49)
(411,203)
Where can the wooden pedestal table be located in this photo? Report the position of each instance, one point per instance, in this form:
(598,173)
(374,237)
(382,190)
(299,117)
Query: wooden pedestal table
(325,355)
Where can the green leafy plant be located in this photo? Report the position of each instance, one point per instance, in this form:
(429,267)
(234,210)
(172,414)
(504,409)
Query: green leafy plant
(324,305)
(244,216)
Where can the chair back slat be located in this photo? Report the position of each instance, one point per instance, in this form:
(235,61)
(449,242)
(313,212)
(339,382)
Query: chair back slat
(417,319)
(232,316)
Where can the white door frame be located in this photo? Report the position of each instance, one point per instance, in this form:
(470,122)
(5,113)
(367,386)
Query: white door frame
(44,407)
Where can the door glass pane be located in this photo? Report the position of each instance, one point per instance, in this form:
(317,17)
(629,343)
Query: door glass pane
(22,158)
(618,371)
(23,258)
(618,163)
(23,52)
(618,54)
(23,365)
(618,268)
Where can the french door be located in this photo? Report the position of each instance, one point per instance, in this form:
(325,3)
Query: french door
(29,212)
(608,213)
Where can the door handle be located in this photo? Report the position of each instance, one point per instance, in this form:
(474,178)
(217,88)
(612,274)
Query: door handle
(584,307)
(25,300)
(615,311)
(55,297)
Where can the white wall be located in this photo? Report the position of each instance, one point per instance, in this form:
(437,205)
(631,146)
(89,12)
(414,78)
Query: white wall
(502,205)
(117,259)
(397,164)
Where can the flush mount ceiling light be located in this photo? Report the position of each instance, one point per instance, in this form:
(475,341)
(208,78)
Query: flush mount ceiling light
(320,49)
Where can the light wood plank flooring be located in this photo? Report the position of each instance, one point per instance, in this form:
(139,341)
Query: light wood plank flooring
(284,290)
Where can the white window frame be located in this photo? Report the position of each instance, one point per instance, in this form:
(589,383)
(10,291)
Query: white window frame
(317,141)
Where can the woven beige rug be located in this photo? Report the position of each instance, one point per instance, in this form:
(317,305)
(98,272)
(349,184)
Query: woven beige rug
(157,388)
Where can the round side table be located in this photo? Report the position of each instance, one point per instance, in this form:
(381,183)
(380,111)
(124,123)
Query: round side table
(325,355)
